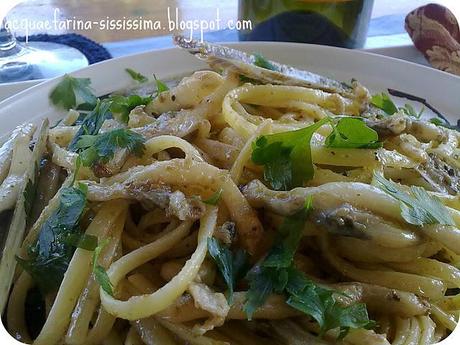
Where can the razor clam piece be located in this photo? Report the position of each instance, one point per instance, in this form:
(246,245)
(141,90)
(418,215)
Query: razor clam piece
(6,150)
(11,185)
(349,209)
(18,222)
(174,202)
(442,176)
(220,57)
(396,302)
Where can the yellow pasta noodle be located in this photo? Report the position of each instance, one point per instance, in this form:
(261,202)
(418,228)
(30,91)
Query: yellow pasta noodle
(248,204)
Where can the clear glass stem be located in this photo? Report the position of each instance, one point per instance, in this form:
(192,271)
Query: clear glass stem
(8,43)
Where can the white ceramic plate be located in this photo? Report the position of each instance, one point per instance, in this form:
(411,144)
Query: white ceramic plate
(10,89)
(407,52)
(442,90)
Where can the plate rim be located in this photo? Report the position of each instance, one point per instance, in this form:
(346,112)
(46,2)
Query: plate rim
(307,46)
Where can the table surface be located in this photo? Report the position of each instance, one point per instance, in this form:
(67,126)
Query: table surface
(93,10)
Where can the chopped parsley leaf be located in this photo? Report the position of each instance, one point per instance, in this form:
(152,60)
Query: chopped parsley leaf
(214,198)
(231,265)
(72,92)
(261,61)
(136,75)
(95,149)
(277,274)
(50,256)
(286,156)
(100,273)
(384,102)
(353,133)
(417,206)
(161,87)
(92,123)
(123,105)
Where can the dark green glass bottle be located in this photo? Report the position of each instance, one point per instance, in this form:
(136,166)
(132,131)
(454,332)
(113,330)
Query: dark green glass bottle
(341,23)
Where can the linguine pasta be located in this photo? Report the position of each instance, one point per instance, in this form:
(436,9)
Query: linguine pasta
(235,207)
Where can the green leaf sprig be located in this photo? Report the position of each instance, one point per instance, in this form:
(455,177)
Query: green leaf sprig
(214,198)
(136,75)
(286,156)
(384,102)
(123,105)
(72,92)
(261,61)
(352,132)
(92,123)
(49,258)
(417,206)
(277,274)
(100,273)
(99,149)
(232,266)
(161,86)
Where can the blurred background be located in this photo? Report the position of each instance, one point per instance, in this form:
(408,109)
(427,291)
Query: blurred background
(78,39)
(393,10)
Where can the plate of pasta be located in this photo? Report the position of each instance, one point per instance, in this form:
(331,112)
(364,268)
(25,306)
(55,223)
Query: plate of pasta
(251,194)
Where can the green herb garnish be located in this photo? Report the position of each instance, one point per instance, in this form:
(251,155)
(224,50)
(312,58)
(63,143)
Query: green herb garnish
(136,75)
(49,257)
(384,102)
(317,301)
(438,122)
(232,266)
(353,133)
(92,122)
(30,191)
(161,87)
(272,274)
(277,274)
(123,105)
(263,281)
(72,92)
(83,241)
(286,156)
(244,79)
(409,110)
(101,148)
(289,235)
(214,198)
(417,206)
(99,272)
(261,61)
(441,123)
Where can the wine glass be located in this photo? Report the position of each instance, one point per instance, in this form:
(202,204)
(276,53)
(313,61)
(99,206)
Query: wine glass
(35,60)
